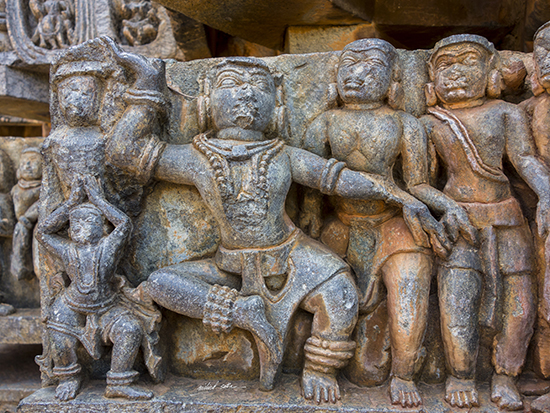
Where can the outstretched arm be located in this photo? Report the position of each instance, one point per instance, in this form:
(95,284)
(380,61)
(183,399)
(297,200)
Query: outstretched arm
(332,178)
(521,151)
(47,228)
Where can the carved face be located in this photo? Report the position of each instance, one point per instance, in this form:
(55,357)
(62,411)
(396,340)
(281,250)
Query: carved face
(243,97)
(86,225)
(78,100)
(541,53)
(30,166)
(460,72)
(364,77)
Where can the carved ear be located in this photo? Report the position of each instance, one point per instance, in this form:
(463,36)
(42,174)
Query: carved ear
(281,125)
(429,92)
(18,174)
(536,87)
(430,71)
(332,95)
(204,113)
(495,84)
(395,95)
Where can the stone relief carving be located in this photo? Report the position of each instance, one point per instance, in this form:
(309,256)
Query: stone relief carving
(25,196)
(7,219)
(485,281)
(38,29)
(393,199)
(139,21)
(54,23)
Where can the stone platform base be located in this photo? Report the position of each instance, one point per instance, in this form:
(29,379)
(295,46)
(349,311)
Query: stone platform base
(188,395)
(22,327)
(19,374)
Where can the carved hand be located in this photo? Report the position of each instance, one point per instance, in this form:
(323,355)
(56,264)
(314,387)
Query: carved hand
(77,192)
(425,230)
(456,222)
(149,72)
(94,189)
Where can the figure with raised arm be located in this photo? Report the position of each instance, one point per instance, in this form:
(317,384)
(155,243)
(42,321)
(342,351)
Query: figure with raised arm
(97,307)
(490,284)
(265,268)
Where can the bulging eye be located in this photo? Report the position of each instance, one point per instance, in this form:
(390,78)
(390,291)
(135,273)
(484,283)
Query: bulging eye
(348,61)
(227,82)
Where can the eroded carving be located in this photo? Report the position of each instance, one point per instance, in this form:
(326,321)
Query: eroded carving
(382,245)
(25,202)
(55,23)
(489,278)
(139,21)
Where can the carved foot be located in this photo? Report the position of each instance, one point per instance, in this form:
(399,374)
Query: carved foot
(404,392)
(461,393)
(128,392)
(6,309)
(504,392)
(68,389)
(319,386)
(250,315)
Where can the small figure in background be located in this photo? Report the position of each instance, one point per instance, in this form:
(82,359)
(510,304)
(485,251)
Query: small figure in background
(97,308)
(25,196)
(7,219)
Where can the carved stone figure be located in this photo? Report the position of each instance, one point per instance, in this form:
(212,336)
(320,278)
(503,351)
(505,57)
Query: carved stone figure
(86,81)
(97,307)
(25,196)
(487,283)
(55,27)
(7,220)
(538,111)
(383,247)
(139,21)
(265,268)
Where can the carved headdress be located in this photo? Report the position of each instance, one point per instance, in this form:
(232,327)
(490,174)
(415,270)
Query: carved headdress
(495,83)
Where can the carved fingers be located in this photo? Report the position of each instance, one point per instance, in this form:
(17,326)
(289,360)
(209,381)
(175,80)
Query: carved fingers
(457,223)
(425,230)
(77,191)
(94,189)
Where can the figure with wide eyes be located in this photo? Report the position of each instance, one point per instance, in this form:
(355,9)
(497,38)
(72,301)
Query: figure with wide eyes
(487,284)
(384,247)
(265,268)
(538,111)
(25,202)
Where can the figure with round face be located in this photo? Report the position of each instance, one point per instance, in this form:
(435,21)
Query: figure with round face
(25,196)
(90,310)
(265,268)
(74,152)
(380,244)
(487,284)
(538,111)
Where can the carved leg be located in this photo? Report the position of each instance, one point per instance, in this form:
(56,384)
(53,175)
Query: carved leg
(334,306)
(459,300)
(195,289)
(407,278)
(126,335)
(510,344)
(63,348)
